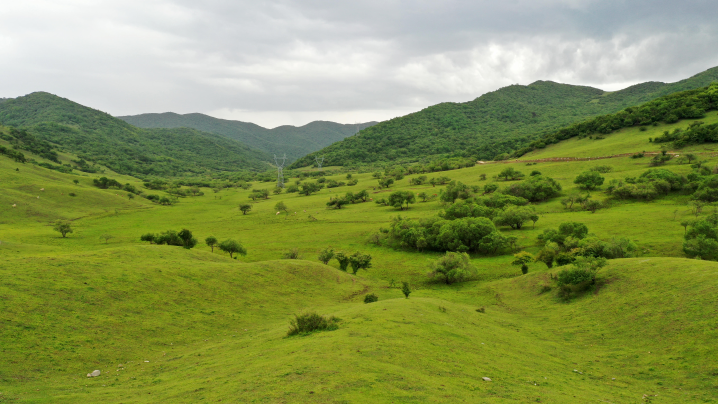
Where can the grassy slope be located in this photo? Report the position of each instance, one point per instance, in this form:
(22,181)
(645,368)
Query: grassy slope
(627,140)
(212,328)
(294,141)
(494,123)
(109,141)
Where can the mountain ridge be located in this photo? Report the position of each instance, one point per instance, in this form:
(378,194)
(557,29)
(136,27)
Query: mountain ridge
(295,141)
(495,123)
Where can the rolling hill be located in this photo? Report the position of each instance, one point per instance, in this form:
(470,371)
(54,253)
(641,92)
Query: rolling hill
(495,123)
(295,141)
(98,137)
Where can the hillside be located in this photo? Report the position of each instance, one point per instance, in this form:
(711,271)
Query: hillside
(98,137)
(166,324)
(295,141)
(495,123)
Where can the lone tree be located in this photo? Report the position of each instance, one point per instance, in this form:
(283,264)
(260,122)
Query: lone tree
(589,180)
(187,240)
(455,267)
(405,289)
(211,242)
(398,199)
(63,227)
(326,255)
(523,258)
(245,207)
(280,206)
(232,247)
(359,261)
(106,237)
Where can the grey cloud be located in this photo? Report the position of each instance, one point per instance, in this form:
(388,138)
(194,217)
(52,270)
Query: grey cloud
(294,61)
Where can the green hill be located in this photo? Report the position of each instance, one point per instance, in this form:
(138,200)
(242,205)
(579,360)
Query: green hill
(495,123)
(98,137)
(295,141)
(165,324)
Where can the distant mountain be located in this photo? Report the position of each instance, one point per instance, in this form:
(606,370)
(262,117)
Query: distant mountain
(295,141)
(498,122)
(96,136)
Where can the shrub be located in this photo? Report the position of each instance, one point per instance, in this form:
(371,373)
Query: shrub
(580,276)
(311,322)
(523,259)
(602,169)
(454,267)
(371,298)
(292,254)
(535,189)
(510,174)
(343,260)
(589,180)
(515,216)
(405,289)
(326,255)
(359,261)
(72,194)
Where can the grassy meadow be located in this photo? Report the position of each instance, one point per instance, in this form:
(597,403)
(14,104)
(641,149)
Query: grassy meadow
(165,324)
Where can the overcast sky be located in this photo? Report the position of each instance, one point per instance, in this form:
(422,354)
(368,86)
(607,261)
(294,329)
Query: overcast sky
(292,62)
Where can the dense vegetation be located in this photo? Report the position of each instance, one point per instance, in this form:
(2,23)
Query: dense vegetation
(98,137)
(495,123)
(293,141)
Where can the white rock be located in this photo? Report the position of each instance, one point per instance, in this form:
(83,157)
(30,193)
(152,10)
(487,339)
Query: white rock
(94,373)
(486,379)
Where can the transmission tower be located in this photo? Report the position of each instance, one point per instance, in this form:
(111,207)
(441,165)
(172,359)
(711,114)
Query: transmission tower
(280,167)
(319,161)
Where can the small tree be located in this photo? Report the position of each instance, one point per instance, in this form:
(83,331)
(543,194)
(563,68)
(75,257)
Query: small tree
(510,174)
(232,247)
(63,228)
(589,180)
(106,237)
(130,196)
(326,255)
(515,216)
(245,207)
(690,157)
(187,240)
(359,261)
(592,205)
(148,237)
(385,182)
(423,195)
(280,206)
(343,260)
(398,199)
(277,191)
(405,289)
(211,242)
(76,182)
(523,258)
(454,267)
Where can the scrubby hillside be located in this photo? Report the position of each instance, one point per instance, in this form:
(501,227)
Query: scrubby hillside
(98,137)
(295,141)
(498,122)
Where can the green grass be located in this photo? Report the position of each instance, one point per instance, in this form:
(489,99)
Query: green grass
(213,328)
(628,140)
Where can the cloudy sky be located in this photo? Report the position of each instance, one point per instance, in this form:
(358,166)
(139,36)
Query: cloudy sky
(292,62)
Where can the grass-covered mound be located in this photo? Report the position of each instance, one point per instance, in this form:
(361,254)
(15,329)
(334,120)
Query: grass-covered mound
(209,336)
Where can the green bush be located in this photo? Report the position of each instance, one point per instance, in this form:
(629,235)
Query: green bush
(535,189)
(371,298)
(311,322)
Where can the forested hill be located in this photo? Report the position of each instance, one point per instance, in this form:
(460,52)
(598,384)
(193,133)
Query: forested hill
(292,140)
(498,122)
(98,137)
